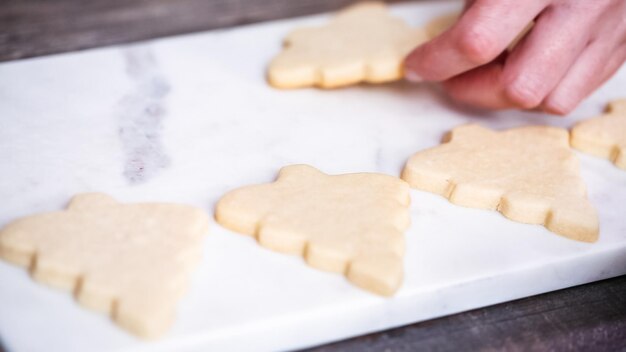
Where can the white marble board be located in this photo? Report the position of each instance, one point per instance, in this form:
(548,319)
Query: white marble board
(187,118)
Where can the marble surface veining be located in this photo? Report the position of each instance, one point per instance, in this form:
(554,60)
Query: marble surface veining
(188,118)
(141,112)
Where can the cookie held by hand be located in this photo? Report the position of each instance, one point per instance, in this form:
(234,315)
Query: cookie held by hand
(529,174)
(604,136)
(132,261)
(351,224)
(362,43)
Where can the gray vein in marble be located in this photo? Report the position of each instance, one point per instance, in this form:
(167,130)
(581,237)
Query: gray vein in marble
(141,114)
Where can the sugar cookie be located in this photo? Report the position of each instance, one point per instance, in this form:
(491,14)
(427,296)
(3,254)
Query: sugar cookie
(440,24)
(604,136)
(529,174)
(350,224)
(362,43)
(132,261)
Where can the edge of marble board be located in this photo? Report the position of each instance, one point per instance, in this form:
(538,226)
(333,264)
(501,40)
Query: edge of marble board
(407,307)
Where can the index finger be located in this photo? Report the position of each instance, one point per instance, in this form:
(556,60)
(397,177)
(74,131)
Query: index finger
(482,33)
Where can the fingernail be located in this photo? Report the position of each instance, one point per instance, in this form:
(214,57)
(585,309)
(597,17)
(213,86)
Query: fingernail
(413,77)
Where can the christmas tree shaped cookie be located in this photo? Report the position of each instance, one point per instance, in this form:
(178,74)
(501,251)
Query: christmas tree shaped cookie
(529,174)
(132,261)
(604,136)
(351,224)
(362,43)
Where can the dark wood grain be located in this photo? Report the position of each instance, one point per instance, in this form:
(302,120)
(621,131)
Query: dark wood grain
(39,27)
(590,317)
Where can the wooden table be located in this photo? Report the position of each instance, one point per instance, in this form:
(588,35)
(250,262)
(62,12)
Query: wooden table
(591,317)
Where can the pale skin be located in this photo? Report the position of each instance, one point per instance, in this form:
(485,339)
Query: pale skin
(573,48)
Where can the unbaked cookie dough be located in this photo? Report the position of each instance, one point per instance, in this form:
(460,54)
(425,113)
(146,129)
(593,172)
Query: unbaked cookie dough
(352,224)
(132,261)
(529,174)
(362,43)
(604,136)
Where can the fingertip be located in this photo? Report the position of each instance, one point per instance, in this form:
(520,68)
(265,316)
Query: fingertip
(522,94)
(461,88)
(555,106)
(412,76)
(480,87)
(412,65)
(478,46)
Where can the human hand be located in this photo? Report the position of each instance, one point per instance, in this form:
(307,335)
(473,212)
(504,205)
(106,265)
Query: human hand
(573,48)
